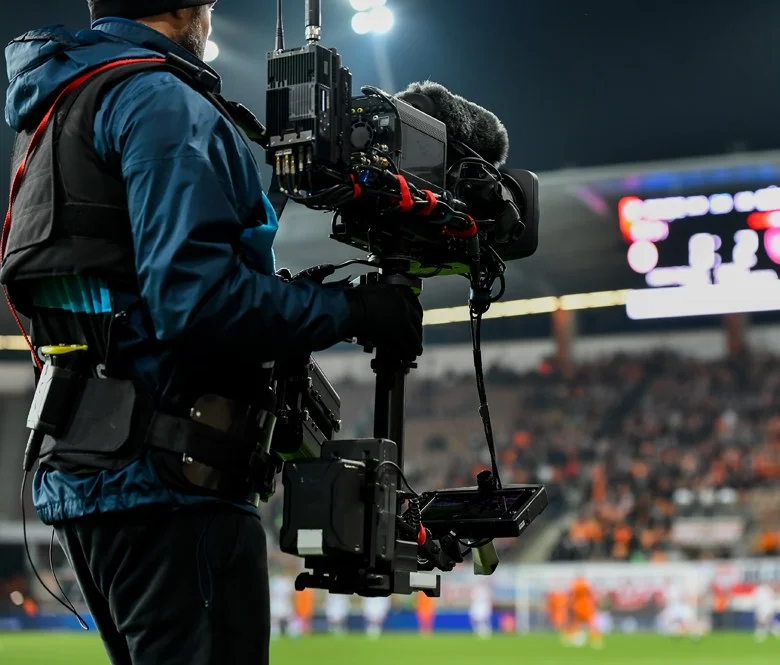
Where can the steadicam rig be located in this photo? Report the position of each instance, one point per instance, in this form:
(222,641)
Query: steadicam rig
(417,182)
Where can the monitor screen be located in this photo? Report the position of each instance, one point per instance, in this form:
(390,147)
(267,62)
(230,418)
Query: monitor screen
(460,506)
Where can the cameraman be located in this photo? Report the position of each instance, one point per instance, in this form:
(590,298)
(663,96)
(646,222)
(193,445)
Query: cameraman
(140,230)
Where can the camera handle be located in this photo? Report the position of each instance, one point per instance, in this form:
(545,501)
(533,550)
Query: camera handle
(390,370)
(390,398)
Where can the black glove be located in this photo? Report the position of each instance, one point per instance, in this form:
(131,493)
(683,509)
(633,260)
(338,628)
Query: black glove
(316,274)
(387,316)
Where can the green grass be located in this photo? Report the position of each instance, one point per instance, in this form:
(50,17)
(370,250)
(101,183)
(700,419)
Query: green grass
(729,649)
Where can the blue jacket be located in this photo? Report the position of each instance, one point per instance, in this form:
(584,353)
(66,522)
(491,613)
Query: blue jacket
(192,183)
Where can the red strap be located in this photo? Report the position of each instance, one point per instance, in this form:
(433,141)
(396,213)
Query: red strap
(16,183)
(357,190)
(469,232)
(432,202)
(406,195)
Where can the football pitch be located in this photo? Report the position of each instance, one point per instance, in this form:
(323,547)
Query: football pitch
(75,649)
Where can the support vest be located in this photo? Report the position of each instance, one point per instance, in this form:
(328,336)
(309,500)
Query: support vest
(70,214)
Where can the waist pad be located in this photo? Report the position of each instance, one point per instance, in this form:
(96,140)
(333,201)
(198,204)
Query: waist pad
(103,432)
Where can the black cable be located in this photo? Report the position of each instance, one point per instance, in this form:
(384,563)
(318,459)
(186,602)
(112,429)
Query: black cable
(291,184)
(401,473)
(352,262)
(389,158)
(412,516)
(475,157)
(484,409)
(377,92)
(495,270)
(54,573)
(434,272)
(501,289)
(474,160)
(65,603)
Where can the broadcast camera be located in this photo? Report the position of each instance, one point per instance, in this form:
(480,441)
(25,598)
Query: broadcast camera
(415,181)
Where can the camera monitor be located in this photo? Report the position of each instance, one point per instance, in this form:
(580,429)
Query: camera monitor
(477,513)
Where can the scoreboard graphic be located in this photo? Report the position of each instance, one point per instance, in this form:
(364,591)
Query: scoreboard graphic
(703,254)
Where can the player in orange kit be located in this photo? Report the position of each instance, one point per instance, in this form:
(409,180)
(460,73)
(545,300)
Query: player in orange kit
(558,611)
(582,615)
(425,609)
(304,611)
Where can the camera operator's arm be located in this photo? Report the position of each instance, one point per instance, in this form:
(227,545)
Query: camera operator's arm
(193,189)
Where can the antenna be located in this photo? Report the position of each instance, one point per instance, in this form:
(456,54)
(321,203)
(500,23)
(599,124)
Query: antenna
(313,21)
(279,27)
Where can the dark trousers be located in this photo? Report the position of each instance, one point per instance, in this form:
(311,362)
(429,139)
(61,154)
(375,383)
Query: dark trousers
(175,587)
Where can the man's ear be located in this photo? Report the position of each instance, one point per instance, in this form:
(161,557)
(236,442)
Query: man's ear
(181,17)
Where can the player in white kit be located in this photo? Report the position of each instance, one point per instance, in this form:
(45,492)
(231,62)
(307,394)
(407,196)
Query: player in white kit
(375,612)
(765,612)
(481,609)
(337,612)
(282,589)
(679,614)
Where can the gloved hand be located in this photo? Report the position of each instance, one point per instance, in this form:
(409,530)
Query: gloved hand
(316,274)
(387,316)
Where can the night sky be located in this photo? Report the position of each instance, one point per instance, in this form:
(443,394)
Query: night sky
(577,83)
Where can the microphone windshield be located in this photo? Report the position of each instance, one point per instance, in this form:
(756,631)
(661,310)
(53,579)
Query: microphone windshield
(466,122)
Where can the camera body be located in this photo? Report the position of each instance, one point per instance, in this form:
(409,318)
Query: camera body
(388,170)
(417,141)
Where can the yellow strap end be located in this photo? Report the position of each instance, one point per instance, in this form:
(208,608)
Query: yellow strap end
(62,349)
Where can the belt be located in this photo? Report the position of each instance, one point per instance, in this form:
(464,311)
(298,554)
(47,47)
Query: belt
(105,424)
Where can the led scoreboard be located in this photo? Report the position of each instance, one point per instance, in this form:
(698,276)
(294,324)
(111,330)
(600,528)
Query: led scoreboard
(702,254)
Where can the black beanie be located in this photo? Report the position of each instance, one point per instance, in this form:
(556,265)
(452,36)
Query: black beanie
(140,8)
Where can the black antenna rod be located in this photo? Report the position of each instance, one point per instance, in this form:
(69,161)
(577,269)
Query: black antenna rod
(313,21)
(279,27)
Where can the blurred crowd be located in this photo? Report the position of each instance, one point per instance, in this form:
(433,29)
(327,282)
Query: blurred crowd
(631,445)
(697,444)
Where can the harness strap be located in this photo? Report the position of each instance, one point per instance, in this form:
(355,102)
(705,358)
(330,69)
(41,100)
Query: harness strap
(16,182)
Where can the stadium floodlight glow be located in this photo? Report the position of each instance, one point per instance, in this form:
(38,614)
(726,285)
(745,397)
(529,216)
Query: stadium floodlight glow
(361,23)
(381,20)
(366,5)
(212,51)
(377,20)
